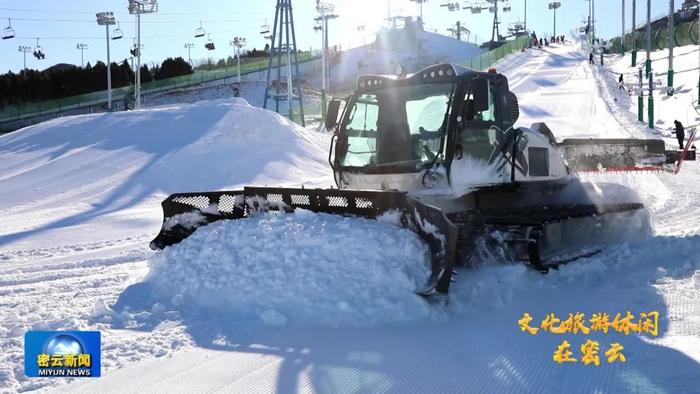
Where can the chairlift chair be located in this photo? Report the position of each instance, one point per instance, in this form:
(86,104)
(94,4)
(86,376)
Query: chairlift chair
(210,44)
(38,51)
(9,32)
(265,29)
(506,9)
(199,32)
(135,49)
(117,33)
(476,10)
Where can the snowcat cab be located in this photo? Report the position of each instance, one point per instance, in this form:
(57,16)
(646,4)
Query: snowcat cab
(440,148)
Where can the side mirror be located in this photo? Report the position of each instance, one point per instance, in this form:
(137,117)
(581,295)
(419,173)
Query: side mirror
(480,93)
(332,114)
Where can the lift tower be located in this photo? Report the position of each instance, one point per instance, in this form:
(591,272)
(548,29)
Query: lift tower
(284,44)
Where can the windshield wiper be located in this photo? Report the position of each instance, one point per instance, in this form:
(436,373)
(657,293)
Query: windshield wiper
(444,126)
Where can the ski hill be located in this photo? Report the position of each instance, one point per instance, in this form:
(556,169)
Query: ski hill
(320,303)
(409,46)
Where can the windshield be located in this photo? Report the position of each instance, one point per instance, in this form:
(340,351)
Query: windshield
(401,126)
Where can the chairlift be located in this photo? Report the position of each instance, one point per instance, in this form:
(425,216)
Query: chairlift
(210,44)
(199,32)
(117,33)
(135,50)
(38,51)
(265,29)
(9,32)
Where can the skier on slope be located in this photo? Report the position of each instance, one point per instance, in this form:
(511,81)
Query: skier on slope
(680,133)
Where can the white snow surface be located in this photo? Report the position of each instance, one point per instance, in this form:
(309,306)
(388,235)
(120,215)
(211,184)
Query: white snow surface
(412,51)
(279,265)
(310,302)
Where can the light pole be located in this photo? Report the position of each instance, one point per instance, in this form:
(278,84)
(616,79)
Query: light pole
(634,33)
(106,19)
(325,11)
(82,48)
(189,47)
(650,75)
(238,43)
(421,8)
(648,61)
(361,29)
(553,6)
(593,16)
(622,36)
(138,7)
(669,89)
(589,27)
(25,50)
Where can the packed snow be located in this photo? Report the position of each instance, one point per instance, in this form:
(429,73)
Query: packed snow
(298,269)
(311,302)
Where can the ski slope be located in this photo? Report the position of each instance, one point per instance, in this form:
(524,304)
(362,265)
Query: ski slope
(317,311)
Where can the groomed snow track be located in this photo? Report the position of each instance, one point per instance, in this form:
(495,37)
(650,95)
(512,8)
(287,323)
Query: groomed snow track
(471,344)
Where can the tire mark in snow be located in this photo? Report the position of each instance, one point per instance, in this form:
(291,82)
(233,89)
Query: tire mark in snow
(77,269)
(22,255)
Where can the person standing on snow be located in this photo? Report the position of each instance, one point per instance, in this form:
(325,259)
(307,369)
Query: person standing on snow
(680,133)
(590,58)
(621,82)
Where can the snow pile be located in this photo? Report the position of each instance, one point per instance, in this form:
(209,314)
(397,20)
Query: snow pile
(298,269)
(207,145)
(468,172)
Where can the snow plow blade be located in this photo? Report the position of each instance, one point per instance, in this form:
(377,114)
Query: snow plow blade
(184,213)
(592,155)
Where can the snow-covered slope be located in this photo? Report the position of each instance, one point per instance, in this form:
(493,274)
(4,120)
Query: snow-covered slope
(73,170)
(80,199)
(411,48)
(680,106)
(412,51)
(87,204)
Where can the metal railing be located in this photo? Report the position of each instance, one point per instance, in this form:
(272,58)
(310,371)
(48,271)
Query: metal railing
(43,108)
(487,59)
(686,33)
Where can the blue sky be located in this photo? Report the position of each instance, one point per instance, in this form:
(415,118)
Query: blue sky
(62,25)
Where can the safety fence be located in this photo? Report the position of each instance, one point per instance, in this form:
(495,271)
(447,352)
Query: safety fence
(487,59)
(48,107)
(685,33)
